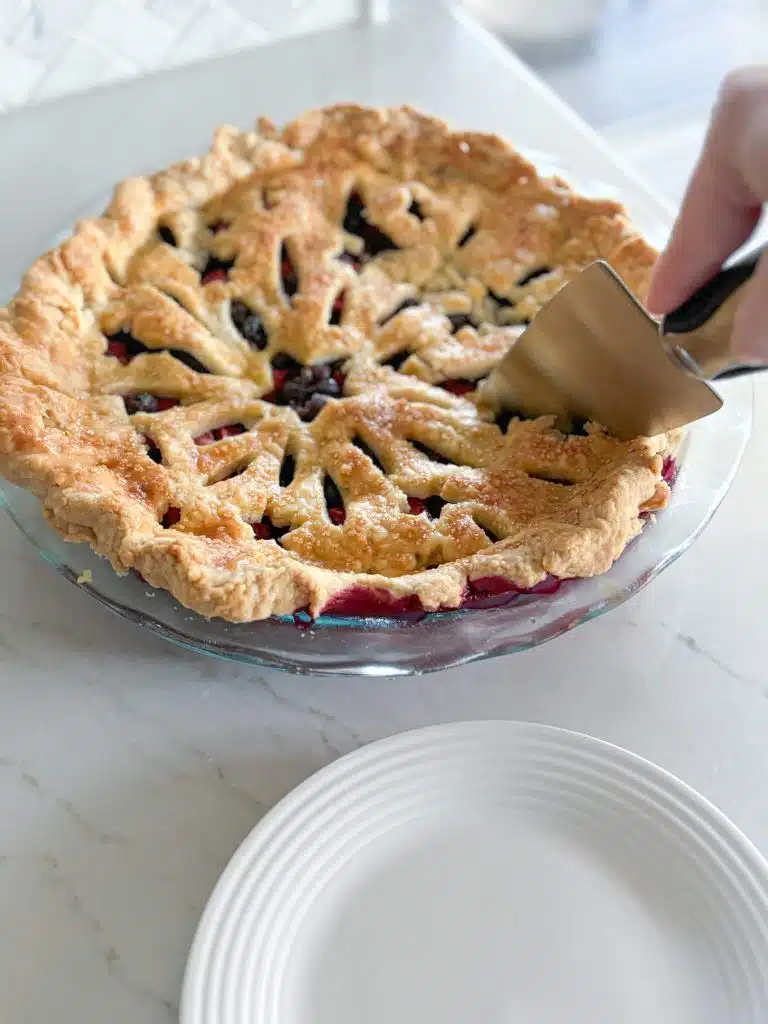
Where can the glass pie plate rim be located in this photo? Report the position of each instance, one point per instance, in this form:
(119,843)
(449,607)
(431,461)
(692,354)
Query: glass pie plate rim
(708,458)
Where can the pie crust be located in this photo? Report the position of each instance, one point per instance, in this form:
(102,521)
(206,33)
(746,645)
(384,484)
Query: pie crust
(397,255)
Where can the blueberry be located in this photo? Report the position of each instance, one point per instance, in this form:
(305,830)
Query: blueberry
(282,361)
(140,402)
(356,223)
(328,387)
(249,324)
(312,407)
(239,313)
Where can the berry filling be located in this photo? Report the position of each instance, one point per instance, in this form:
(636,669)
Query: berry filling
(337,310)
(216,270)
(365,602)
(143,401)
(287,471)
(217,274)
(433,506)
(282,367)
(124,347)
(503,418)
(669,470)
(495,591)
(167,235)
(334,502)
(305,389)
(459,320)
(288,274)
(249,324)
(485,592)
(217,226)
(152,450)
(356,223)
(354,261)
(171,517)
(265,529)
(397,360)
(459,387)
(282,361)
(219,434)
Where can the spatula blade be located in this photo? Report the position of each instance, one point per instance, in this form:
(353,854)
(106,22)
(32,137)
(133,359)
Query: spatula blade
(593,353)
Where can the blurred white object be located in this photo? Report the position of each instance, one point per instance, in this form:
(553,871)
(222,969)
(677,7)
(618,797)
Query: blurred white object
(539,21)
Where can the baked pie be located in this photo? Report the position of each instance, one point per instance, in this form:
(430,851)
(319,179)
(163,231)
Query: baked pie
(257,379)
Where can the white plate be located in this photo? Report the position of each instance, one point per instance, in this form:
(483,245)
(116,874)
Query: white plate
(486,873)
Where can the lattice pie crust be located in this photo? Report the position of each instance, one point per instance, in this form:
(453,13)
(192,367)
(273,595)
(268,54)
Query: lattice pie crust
(257,378)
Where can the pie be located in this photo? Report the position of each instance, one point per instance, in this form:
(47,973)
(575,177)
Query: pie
(257,379)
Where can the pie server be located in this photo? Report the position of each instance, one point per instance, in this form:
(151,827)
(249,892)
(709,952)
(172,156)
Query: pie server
(593,353)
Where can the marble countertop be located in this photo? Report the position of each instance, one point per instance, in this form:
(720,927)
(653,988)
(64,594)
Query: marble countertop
(129,769)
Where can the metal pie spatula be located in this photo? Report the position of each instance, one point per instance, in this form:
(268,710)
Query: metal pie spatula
(593,353)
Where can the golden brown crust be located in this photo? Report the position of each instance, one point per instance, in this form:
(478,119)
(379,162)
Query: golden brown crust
(470,219)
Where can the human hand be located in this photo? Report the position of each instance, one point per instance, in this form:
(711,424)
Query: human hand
(721,207)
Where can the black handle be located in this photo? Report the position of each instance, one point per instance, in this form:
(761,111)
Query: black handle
(696,310)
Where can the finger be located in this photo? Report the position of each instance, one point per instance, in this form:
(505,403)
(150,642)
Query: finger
(723,201)
(712,225)
(750,325)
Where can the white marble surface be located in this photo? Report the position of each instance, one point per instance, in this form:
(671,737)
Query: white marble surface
(130,770)
(52,47)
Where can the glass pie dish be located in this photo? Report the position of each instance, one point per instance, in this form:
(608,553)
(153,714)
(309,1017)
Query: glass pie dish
(417,642)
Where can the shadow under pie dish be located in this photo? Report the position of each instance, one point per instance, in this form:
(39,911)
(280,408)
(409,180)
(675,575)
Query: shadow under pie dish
(257,379)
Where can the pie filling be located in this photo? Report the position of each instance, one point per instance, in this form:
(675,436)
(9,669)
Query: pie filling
(260,379)
(484,592)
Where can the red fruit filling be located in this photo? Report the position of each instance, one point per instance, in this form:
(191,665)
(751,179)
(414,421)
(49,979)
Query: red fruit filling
(485,592)
(171,517)
(366,601)
(669,470)
(217,274)
(265,529)
(231,430)
(459,387)
(118,350)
